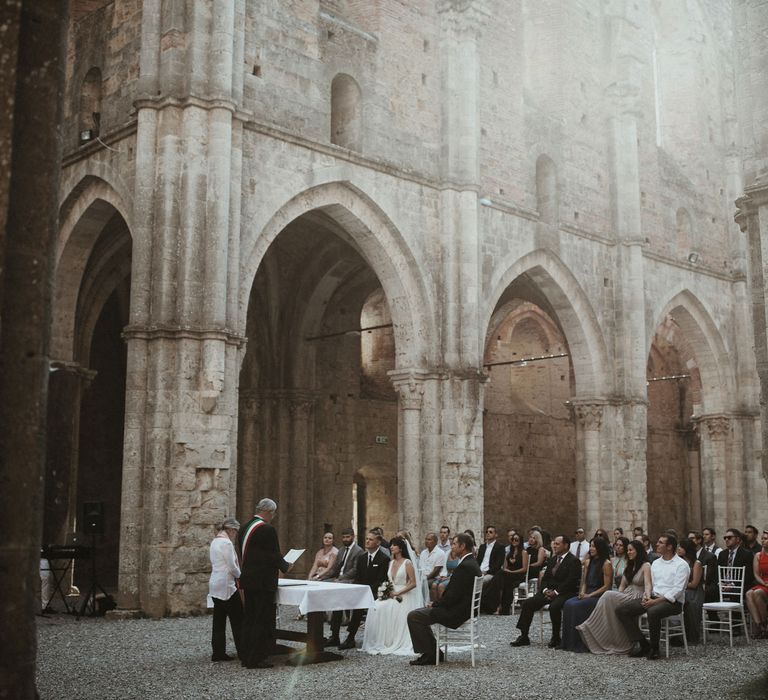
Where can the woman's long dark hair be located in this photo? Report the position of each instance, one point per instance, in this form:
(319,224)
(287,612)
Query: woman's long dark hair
(690,551)
(400,542)
(602,548)
(633,565)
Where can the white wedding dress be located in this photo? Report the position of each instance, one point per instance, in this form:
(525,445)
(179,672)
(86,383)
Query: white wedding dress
(386,628)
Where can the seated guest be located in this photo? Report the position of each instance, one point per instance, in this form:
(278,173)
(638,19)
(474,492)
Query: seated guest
(431,562)
(490,557)
(735,555)
(637,533)
(452,610)
(750,539)
(223,595)
(441,583)
(602,633)
(474,541)
(669,574)
(536,553)
(694,592)
(343,571)
(513,572)
(510,534)
(560,582)
(709,537)
(384,542)
(757,596)
(596,579)
(649,553)
(445,540)
(324,559)
(618,532)
(619,559)
(580,546)
(708,563)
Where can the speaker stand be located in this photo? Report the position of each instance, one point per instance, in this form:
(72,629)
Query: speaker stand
(95,586)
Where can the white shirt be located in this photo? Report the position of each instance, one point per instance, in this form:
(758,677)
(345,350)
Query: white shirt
(224,569)
(429,560)
(713,548)
(486,564)
(670,578)
(583,552)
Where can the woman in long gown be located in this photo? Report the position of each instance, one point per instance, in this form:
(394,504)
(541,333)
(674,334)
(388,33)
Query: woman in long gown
(602,632)
(694,592)
(596,579)
(386,628)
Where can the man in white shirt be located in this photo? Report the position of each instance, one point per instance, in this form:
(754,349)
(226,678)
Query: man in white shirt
(444,542)
(580,547)
(432,561)
(670,578)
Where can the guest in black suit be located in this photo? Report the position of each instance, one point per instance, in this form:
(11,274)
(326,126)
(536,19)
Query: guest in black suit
(735,555)
(490,558)
(559,583)
(750,541)
(454,607)
(709,563)
(260,561)
(371,570)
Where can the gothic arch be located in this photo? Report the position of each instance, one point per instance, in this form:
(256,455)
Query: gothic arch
(371,232)
(698,326)
(85,212)
(572,308)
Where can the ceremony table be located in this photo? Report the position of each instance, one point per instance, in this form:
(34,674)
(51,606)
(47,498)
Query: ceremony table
(314,599)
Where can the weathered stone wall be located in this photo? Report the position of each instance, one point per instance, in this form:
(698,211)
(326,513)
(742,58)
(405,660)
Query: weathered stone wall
(579,156)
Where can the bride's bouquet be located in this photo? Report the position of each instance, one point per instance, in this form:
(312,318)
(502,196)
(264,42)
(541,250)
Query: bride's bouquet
(386,590)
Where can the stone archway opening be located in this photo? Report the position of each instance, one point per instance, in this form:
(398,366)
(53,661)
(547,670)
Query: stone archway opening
(87,390)
(529,433)
(317,412)
(673,447)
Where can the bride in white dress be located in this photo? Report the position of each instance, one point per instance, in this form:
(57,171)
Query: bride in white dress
(386,628)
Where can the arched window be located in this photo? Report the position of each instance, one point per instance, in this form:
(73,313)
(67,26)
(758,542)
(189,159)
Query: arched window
(684,228)
(346,113)
(90,106)
(546,189)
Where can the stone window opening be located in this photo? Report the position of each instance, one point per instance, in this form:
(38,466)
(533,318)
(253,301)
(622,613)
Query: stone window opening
(346,113)
(89,126)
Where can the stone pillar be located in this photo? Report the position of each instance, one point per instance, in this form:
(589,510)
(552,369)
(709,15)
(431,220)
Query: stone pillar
(461,22)
(249,448)
(628,55)
(68,381)
(33,56)
(714,463)
(589,469)
(298,526)
(183,347)
(409,385)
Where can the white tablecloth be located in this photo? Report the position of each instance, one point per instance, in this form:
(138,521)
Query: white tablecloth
(318,596)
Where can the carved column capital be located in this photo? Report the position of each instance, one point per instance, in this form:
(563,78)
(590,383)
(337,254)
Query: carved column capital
(300,404)
(409,385)
(718,426)
(464,17)
(588,415)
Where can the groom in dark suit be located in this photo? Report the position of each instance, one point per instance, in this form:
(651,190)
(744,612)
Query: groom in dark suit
(559,583)
(371,570)
(452,610)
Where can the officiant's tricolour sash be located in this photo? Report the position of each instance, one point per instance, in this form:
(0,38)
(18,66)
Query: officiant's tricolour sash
(258,522)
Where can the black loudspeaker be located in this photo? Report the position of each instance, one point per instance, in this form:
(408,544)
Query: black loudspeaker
(93,518)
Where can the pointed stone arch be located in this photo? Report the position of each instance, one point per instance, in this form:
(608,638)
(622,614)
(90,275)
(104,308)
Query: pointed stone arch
(699,327)
(365,226)
(85,212)
(572,309)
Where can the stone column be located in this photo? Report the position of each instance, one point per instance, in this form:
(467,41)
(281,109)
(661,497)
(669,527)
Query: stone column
(461,23)
(714,456)
(250,452)
(33,56)
(409,385)
(298,524)
(628,56)
(589,476)
(68,381)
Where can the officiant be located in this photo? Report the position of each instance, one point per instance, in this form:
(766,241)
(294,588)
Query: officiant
(260,561)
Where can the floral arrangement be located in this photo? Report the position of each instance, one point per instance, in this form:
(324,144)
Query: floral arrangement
(386,590)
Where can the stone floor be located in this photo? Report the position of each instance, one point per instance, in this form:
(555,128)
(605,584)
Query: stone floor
(170,658)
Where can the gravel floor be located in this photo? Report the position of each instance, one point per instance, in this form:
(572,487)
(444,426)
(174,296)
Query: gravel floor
(170,658)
